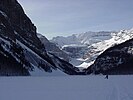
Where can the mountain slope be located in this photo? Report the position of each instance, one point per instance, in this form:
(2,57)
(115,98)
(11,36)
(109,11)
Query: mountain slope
(115,60)
(52,48)
(19,42)
(91,44)
(79,46)
(96,49)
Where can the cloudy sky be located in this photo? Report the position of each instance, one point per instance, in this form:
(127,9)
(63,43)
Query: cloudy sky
(64,17)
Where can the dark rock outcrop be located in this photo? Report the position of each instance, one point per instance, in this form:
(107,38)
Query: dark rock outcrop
(19,21)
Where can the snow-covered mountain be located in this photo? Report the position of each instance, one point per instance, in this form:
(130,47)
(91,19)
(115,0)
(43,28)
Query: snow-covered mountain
(88,46)
(97,48)
(115,60)
(86,38)
(77,46)
(21,51)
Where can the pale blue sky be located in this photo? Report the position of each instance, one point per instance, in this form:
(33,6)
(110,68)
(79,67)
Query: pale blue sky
(64,17)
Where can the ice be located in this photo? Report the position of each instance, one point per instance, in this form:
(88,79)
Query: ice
(67,88)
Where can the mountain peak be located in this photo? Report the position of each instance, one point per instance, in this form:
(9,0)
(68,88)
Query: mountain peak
(21,51)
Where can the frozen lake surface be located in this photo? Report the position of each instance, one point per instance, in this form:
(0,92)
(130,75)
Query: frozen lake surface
(67,88)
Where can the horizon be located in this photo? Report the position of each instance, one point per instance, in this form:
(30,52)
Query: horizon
(53,18)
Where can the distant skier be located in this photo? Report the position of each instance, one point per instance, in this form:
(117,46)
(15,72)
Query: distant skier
(106,77)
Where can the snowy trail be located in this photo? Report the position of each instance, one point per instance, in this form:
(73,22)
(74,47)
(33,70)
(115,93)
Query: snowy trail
(114,95)
(66,88)
(126,93)
(122,90)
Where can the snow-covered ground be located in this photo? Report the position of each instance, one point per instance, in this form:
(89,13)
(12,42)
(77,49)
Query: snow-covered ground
(67,88)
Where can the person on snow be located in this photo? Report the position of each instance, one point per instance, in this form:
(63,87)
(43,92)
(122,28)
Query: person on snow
(106,77)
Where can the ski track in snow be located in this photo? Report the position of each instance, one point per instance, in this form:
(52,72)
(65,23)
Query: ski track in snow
(121,91)
(114,94)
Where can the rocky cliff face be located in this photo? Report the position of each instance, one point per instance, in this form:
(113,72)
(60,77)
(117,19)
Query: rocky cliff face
(21,51)
(19,20)
(52,48)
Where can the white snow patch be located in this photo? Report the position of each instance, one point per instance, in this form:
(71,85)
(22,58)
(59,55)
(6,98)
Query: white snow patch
(4,40)
(26,48)
(2,24)
(74,46)
(40,72)
(3,14)
(85,64)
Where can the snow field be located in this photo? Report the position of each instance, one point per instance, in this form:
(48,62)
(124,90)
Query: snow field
(67,88)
